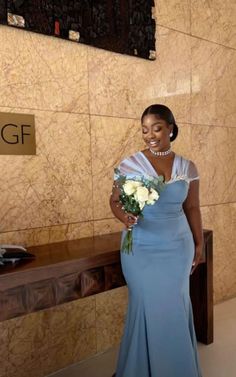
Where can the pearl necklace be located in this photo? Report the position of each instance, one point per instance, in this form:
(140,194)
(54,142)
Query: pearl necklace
(164,153)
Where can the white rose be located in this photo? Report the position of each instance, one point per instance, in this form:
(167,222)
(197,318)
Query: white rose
(153,195)
(129,187)
(137,183)
(141,194)
(141,205)
(149,201)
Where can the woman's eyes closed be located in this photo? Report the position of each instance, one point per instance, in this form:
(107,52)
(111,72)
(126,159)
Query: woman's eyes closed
(154,130)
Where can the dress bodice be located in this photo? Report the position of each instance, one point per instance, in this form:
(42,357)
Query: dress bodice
(176,189)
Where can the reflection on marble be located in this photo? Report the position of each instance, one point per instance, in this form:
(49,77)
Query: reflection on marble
(55,186)
(174,14)
(213,84)
(214,21)
(41,236)
(222,220)
(123,86)
(213,151)
(44,73)
(111,308)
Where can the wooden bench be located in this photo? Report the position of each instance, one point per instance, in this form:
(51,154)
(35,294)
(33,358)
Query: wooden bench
(70,270)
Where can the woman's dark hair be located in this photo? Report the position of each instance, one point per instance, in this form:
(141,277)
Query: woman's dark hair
(164,113)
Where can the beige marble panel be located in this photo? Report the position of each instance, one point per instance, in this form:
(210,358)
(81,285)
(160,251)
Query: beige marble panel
(41,72)
(46,341)
(79,230)
(70,333)
(25,344)
(222,220)
(213,151)
(106,226)
(55,186)
(41,236)
(112,140)
(111,309)
(124,86)
(181,145)
(213,84)
(4,349)
(214,20)
(174,14)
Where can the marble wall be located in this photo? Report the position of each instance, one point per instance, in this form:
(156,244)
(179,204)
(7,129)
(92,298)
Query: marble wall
(40,343)
(87,104)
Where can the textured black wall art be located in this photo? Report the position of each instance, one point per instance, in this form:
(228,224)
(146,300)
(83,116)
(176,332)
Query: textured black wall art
(125,26)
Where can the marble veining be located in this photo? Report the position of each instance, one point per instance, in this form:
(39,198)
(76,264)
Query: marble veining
(214,20)
(55,186)
(174,14)
(43,74)
(213,84)
(122,87)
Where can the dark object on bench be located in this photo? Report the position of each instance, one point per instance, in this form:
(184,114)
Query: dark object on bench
(13,254)
(69,270)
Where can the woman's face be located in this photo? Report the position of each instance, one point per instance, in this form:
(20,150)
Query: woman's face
(156,132)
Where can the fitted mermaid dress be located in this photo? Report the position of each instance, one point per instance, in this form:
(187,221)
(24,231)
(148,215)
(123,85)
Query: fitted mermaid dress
(159,337)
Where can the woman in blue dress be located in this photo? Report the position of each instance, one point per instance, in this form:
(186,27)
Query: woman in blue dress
(159,337)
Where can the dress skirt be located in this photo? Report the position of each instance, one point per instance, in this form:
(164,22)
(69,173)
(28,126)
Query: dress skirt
(159,338)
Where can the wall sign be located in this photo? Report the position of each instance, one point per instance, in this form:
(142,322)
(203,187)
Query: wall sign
(17,134)
(125,26)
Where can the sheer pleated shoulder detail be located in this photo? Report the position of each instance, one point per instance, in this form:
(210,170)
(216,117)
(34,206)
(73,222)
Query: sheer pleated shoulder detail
(185,170)
(138,165)
(192,171)
(134,166)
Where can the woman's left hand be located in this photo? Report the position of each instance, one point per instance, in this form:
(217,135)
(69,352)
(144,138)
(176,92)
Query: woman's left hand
(197,257)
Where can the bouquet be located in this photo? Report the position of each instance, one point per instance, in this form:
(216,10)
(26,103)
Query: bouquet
(135,194)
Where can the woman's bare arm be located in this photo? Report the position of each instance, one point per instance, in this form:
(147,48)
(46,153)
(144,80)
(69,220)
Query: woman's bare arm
(191,207)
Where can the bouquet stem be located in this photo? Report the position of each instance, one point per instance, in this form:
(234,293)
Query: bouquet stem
(127,243)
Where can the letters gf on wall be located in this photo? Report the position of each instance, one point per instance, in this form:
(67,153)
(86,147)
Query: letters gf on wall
(17,134)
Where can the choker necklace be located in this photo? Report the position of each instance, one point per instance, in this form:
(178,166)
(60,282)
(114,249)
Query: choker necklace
(160,153)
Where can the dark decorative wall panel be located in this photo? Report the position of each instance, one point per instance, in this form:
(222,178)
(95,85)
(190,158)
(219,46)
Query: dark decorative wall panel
(3,11)
(125,26)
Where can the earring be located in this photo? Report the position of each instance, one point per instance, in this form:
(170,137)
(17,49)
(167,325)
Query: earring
(171,134)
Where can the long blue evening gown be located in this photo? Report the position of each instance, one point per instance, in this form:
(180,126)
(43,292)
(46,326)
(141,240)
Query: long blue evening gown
(159,337)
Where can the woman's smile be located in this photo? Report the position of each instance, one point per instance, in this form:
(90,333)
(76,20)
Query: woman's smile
(153,143)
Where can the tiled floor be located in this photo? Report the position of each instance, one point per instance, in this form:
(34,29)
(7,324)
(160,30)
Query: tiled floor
(217,359)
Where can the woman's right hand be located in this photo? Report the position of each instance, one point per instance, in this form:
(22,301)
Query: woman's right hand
(126,218)
(129,219)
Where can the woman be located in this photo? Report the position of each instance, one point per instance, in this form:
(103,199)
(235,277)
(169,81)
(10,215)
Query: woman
(159,338)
